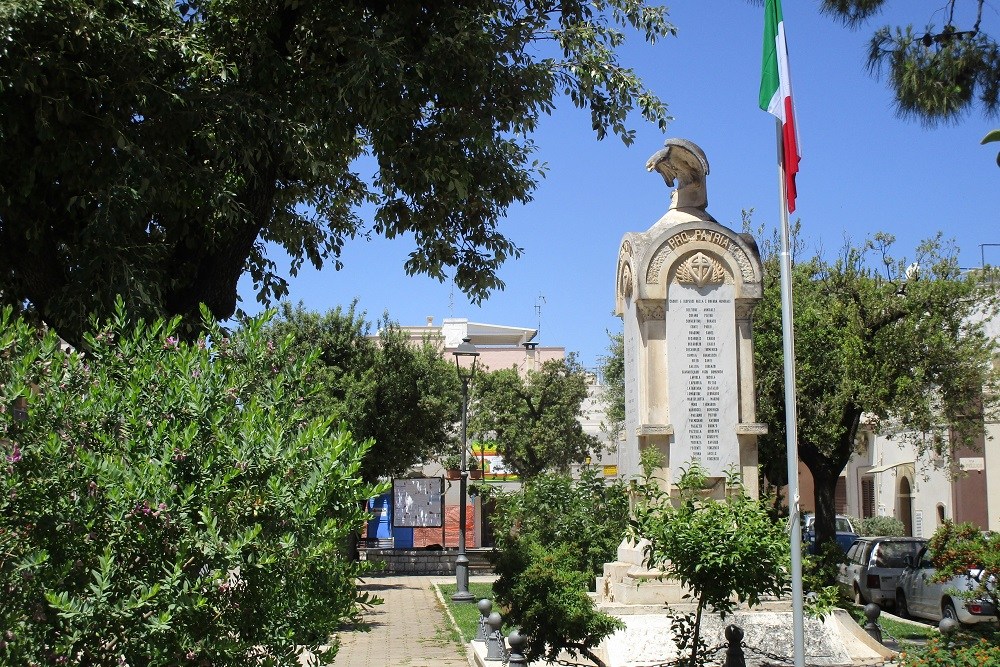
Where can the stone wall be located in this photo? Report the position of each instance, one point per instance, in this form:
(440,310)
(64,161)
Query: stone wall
(423,561)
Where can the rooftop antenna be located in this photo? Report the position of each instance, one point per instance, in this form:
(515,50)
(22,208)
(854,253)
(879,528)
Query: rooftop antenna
(538,312)
(451,299)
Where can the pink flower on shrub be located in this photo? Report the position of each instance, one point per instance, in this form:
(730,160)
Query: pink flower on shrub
(14,456)
(170,343)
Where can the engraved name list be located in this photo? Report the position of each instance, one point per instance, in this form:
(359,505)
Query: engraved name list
(702,374)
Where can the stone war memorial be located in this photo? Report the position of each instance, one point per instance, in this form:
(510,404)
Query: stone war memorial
(685,290)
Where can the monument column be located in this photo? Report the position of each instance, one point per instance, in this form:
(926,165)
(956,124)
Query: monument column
(749,429)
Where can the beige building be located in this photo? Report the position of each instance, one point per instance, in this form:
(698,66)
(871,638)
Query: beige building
(498,346)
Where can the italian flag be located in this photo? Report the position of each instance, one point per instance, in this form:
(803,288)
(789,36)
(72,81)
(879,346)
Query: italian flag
(776,92)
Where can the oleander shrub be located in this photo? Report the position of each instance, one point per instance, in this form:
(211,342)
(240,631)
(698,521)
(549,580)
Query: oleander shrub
(965,550)
(943,652)
(167,503)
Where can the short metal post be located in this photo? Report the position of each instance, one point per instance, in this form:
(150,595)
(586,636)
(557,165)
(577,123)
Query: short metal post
(517,642)
(734,648)
(485,607)
(494,649)
(872,612)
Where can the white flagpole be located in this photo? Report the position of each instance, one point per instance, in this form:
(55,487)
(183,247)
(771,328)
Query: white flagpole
(791,429)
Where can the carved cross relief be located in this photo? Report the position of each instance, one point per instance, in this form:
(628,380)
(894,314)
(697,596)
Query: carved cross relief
(700,269)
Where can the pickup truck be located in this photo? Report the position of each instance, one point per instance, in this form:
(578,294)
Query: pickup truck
(846,534)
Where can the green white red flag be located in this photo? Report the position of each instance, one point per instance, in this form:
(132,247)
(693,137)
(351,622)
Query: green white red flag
(776,93)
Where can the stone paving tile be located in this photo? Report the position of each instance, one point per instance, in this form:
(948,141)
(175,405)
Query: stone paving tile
(410,628)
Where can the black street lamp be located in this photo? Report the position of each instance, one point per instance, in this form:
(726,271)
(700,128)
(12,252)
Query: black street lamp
(465,351)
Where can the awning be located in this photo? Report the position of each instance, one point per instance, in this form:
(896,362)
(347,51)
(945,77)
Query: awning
(889,466)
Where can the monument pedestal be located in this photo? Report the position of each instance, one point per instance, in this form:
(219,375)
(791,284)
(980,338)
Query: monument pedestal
(627,581)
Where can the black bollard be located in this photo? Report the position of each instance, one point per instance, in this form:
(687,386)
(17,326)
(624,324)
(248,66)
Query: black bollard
(485,607)
(947,626)
(734,648)
(494,640)
(517,642)
(872,612)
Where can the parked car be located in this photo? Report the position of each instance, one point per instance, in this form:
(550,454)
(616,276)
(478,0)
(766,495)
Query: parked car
(846,534)
(917,594)
(873,567)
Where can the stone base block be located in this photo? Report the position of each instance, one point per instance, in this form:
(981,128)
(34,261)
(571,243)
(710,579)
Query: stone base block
(647,639)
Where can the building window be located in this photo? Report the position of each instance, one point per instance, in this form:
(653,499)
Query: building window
(840,496)
(867,497)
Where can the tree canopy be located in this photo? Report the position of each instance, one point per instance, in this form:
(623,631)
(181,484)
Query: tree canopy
(400,394)
(159,150)
(612,368)
(534,418)
(939,69)
(899,344)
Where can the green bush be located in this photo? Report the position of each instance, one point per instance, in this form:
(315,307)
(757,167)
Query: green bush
(552,538)
(880,526)
(725,551)
(166,503)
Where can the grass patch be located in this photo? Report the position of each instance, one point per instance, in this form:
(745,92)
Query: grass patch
(899,631)
(906,631)
(466,614)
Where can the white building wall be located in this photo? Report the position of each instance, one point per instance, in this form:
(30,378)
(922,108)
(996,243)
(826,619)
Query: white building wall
(891,461)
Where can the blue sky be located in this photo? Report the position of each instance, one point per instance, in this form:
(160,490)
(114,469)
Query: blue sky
(863,170)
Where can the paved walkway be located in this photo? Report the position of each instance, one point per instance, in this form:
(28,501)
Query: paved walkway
(409,628)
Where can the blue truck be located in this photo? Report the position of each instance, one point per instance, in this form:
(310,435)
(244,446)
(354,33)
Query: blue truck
(846,534)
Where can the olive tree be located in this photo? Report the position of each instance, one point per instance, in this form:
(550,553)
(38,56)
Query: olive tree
(534,417)
(900,341)
(399,393)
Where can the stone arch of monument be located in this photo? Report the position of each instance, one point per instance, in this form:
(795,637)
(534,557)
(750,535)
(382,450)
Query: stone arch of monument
(685,251)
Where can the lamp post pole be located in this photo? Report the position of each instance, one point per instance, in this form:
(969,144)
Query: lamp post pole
(462,594)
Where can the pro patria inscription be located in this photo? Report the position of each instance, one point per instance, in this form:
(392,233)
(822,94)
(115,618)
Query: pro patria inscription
(702,376)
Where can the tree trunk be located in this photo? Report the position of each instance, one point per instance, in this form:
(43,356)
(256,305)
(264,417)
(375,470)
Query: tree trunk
(697,635)
(826,461)
(824,495)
